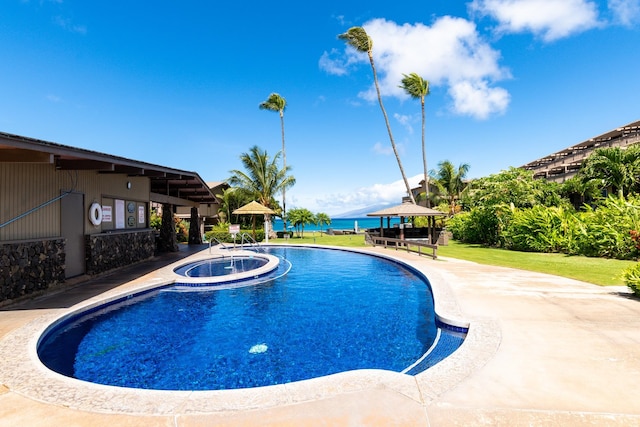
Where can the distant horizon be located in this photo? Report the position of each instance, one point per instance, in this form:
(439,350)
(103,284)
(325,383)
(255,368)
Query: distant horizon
(341,224)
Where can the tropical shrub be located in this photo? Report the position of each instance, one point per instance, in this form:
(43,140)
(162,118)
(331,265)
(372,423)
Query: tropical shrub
(182,229)
(542,229)
(155,220)
(631,277)
(481,225)
(607,229)
(514,187)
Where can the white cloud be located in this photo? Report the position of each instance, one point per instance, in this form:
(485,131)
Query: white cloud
(66,24)
(337,203)
(477,99)
(387,150)
(449,52)
(626,12)
(405,121)
(549,19)
(332,65)
(384,149)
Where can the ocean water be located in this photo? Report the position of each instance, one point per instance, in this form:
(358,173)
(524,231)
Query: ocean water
(342,224)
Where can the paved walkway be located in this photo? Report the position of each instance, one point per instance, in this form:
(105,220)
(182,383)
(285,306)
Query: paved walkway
(556,352)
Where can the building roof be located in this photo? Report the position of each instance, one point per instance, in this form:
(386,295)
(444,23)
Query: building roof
(572,157)
(406,209)
(166,183)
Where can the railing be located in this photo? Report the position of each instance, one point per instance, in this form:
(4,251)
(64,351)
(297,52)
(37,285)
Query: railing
(407,244)
(251,241)
(47,203)
(218,242)
(244,239)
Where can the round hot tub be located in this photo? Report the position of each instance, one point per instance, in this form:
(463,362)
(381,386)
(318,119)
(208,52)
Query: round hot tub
(230,268)
(221,266)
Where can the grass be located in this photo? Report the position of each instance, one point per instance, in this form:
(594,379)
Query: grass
(599,271)
(317,238)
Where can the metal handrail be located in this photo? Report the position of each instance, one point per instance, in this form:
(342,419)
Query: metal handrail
(252,242)
(47,203)
(218,242)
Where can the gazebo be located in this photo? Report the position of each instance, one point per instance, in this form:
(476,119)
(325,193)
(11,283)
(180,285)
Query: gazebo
(254,208)
(406,210)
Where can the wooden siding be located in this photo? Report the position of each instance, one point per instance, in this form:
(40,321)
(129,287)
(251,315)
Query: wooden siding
(26,186)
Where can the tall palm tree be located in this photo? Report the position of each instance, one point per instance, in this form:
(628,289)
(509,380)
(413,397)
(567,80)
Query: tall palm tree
(451,181)
(418,88)
(358,38)
(277,103)
(262,178)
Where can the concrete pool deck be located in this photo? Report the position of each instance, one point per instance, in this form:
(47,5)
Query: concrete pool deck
(543,350)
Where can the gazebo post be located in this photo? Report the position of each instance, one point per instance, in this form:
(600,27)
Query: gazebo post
(432,229)
(381,228)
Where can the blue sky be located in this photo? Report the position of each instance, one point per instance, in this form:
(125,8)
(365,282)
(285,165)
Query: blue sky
(179,83)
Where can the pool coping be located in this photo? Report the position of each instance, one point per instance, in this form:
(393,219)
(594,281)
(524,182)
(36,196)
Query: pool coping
(22,372)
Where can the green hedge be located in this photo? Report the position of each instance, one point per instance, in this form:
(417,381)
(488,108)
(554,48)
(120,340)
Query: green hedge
(602,232)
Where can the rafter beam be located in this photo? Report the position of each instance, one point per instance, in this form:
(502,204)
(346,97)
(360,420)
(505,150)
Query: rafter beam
(18,155)
(84,164)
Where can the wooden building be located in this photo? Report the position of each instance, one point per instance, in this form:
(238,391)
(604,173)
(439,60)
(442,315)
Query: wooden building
(66,211)
(566,163)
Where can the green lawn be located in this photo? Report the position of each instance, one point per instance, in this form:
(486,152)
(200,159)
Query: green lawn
(317,238)
(600,271)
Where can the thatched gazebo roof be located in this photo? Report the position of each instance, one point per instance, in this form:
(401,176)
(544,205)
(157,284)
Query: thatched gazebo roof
(253,208)
(406,209)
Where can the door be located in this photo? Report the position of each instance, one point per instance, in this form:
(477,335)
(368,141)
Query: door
(72,230)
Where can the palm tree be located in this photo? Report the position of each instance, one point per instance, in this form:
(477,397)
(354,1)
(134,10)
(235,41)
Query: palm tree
(358,38)
(322,219)
(451,181)
(418,88)
(615,167)
(301,217)
(277,103)
(231,199)
(262,179)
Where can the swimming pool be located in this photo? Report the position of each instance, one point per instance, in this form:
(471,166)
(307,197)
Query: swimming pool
(222,266)
(329,314)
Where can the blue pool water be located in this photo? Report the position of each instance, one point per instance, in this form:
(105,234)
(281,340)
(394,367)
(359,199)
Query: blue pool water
(221,266)
(334,311)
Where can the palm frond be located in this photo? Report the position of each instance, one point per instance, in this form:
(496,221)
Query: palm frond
(357,38)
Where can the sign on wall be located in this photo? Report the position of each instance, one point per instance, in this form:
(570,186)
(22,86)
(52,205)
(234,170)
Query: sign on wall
(141,215)
(120,213)
(107,213)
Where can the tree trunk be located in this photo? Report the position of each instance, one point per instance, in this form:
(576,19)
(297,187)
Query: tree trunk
(167,241)
(195,237)
(386,120)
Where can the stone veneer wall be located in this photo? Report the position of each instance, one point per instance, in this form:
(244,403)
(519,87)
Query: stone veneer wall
(107,251)
(30,266)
